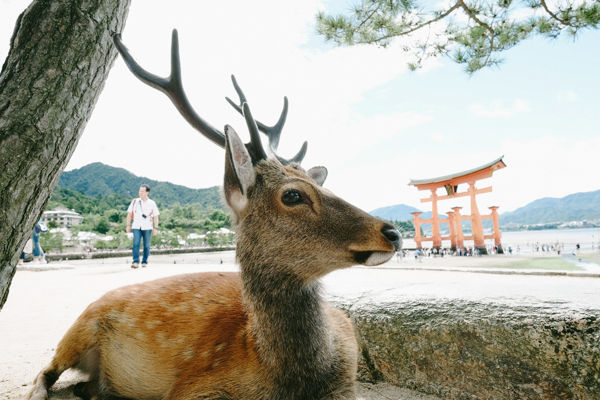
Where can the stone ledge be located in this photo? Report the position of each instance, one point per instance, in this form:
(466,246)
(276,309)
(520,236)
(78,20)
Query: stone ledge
(476,349)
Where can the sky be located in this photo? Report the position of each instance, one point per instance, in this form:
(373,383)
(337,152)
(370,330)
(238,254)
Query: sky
(373,123)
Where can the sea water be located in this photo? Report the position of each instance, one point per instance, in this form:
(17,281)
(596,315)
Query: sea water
(587,239)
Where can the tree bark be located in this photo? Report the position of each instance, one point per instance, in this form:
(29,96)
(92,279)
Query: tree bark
(60,55)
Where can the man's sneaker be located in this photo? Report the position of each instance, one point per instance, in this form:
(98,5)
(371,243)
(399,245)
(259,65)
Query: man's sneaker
(135,265)
(144,265)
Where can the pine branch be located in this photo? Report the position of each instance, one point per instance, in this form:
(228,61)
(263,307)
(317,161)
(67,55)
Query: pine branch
(474,43)
(543,2)
(442,16)
(472,15)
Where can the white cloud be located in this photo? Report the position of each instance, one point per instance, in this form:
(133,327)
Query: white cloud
(438,136)
(497,109)
(566,96)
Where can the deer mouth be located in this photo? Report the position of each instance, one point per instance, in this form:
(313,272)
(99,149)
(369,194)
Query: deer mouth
(372,258)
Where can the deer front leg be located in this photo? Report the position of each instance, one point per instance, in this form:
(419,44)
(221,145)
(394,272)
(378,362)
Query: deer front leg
(93,391)
(345,392)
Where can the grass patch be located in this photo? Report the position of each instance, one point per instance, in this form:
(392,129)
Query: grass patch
(591,257)
(550,263)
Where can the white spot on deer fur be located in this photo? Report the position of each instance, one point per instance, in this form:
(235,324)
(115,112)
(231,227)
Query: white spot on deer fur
(179,340)
(199,308)
(160,337)
(221,346)
(153,324)
(182,308)
(114,315)
(188,353)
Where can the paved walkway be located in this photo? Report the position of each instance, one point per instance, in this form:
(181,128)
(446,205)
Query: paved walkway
(42,304)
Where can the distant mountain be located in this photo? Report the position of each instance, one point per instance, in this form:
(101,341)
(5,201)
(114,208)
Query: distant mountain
(574,207)
(100,179)
(400,212)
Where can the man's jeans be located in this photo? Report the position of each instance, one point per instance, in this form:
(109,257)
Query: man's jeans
(137,237)
(37,249)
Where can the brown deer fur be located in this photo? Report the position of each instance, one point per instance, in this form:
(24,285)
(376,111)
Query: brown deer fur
(264,333)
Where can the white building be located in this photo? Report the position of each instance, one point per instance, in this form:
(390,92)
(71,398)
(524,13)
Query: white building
(62,216)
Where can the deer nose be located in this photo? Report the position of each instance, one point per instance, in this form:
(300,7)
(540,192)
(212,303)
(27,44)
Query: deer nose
(393,235)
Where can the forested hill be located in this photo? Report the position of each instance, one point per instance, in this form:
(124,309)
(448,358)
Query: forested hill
(100,179)
(574,207)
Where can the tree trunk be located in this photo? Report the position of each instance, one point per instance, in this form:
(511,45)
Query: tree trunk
(60,55)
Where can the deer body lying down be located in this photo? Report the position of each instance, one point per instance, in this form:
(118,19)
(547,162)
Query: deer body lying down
(265,333)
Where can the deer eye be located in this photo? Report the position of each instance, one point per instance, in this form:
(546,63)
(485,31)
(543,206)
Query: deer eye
(292,197)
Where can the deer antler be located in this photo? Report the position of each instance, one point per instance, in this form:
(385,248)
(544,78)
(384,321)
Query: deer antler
(173,88)
(272,132)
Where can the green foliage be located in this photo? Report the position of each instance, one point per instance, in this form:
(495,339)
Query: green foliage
(212,239)
(103,226)
(100,244)
(115,215)
(125,242)
(491,27)
(167,239)
(52,224)
(51,241)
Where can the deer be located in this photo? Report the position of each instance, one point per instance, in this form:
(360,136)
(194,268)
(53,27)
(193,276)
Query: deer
(264,332)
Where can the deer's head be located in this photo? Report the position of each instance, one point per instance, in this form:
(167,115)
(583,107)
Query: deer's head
(282,211)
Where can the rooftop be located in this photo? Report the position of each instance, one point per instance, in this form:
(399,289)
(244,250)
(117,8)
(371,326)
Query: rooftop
(491,166)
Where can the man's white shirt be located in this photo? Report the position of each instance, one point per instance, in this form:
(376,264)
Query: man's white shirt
(139,207)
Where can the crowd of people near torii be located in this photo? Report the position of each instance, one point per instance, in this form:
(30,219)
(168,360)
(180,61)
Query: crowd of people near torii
(547,248)
(403,255)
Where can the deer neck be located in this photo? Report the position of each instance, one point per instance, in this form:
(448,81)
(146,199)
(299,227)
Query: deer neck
(290,326)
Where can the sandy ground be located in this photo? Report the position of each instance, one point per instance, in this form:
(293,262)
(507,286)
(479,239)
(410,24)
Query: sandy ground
(45,300)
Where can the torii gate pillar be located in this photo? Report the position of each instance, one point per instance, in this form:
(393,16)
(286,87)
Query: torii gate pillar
(460,238)
(452,230)
(476,225)
(435,222)
(497,234)
(417,224)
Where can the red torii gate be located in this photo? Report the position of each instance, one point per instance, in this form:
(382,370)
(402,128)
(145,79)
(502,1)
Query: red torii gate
(450,183)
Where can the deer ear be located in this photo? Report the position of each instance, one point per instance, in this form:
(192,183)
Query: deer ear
(319,174)
(239,172)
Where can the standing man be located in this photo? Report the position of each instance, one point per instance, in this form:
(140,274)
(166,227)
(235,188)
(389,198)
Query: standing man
(144,214)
